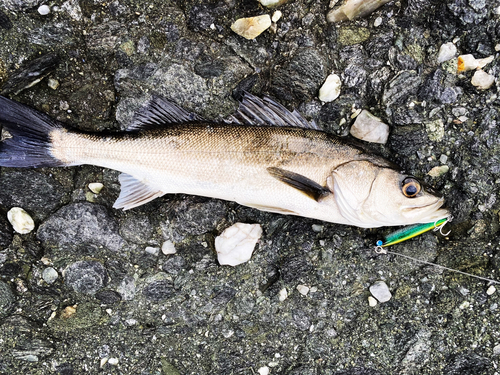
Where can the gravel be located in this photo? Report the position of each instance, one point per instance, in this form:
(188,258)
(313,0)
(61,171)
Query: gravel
(80,294)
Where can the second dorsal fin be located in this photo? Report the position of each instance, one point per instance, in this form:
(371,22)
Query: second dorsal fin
(266,111)
(159,111)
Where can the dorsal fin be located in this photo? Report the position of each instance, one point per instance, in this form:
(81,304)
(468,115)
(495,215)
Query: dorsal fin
(159,111)
(134,193)
(258,112)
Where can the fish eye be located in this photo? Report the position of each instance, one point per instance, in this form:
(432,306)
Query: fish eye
(411,187)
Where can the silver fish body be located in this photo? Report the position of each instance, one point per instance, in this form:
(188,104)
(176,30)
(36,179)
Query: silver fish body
(295,170)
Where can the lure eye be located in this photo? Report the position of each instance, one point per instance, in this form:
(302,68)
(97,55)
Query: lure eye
(411,187)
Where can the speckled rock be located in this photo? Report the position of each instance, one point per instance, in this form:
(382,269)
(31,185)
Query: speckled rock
(85,276)
(81,224)
(7,299)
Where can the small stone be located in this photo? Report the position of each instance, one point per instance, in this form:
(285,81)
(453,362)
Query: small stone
(466,62)
(317,228)
(446,52)
(276,16)
(272,3)
(381,291)
(44,10)
(303,289)
(53,83)
(263,370)
(95,187)
(352,9)
(49,275)
(113,361)
(168,248)
(438,171)
(251,27)
(443,158)
(496,350)
(236,244)
(86,276)
(330,89)
(491,290)
(21,221)
(377,22)
(283,295)
(482,80)
(370,128)
(152,250)
(372,302)
(68,312)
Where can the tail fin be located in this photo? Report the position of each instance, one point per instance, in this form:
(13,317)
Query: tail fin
(28,142)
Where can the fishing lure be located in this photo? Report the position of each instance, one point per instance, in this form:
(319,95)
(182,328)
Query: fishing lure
(412,231)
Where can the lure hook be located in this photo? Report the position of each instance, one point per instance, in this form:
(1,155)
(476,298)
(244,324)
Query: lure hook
(441,226)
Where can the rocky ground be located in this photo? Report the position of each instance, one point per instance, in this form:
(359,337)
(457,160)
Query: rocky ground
(81,294)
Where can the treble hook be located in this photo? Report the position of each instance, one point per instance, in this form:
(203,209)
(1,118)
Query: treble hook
(441,226)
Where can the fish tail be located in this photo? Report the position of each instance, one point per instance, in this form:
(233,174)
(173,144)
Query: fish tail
(26,139)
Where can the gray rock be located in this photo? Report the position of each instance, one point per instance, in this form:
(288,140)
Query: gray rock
(7,300)
(158,290)
(81,224)
(86,276)
(302,76)
(36,192)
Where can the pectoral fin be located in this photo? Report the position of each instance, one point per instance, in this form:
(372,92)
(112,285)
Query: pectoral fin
(134,192)
(275,210)
(309,187)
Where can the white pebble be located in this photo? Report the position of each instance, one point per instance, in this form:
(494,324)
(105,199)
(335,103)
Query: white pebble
(21,221)
(251,27)
(152,250)
(377,22)
(168,247)
(370,128)
(491,290)
(113,361)
(443,158)
(496,350)
(283,295)
(263,370)
(482,80)
(49,275)
(438,171)
(53,83)
(466,63)
(276,16)
(372,302)
(236,244)
(446,52)
(303,289)
(330,89)
(469,62)
(95,187)
(381,291)
(272,3)
(44,10)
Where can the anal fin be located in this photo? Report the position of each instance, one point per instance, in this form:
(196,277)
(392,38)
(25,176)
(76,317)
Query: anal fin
(134,193)
(309,187)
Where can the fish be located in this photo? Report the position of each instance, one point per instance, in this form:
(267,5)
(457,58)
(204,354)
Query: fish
(263,156)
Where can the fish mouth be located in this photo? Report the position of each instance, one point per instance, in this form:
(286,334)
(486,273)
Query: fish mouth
(429,212)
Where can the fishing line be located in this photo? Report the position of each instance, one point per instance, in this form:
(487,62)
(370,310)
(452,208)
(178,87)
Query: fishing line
(413,231)
(379,250)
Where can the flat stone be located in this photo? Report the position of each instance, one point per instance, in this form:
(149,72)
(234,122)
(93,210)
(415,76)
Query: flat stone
(381,291)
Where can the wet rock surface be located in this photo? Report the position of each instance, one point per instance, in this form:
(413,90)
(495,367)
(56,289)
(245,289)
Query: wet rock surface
(81,294)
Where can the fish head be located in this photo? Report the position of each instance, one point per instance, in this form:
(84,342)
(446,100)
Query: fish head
(369,195)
